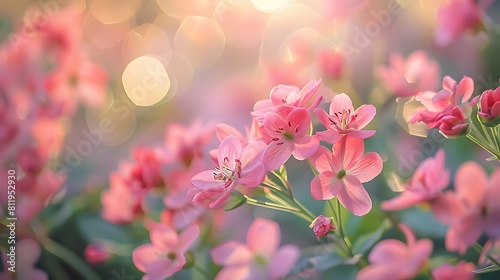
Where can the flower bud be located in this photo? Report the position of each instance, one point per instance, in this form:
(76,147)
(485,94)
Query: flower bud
(322,226)
(489,107)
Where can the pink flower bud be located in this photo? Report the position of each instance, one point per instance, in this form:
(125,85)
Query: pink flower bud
(489,103)
(96,253)
(321,226)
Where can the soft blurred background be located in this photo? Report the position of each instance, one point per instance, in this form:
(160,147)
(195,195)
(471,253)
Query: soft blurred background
(208,61)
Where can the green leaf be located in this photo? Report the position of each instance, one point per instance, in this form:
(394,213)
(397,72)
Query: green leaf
(487,269)
(92,226)
(282,172)
(236,200)
(364,242)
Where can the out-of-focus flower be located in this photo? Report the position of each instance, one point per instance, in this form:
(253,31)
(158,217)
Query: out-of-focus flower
(331,63)
(489,107)
(472,209)
(429,179)
(186,144)
(122,201)
(31,160)
(453,124)
(236,166)
(342,173)
(321,226)
(96,253)
(408,77)
(289,134)
(344,120)
(457,16)
(260,258)
(461,271)
(164,256)
(306,97)
(393,259)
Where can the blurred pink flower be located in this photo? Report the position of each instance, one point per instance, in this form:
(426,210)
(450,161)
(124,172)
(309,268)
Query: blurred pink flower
(344,120)
(185,144)
(96,253)
(489,103)
(122,201)
(461,271)
(453,124)
(342,173)
(471,209)
(393,259)
(260,258)
(164,256)
(321,226)
(31,159)
(306,97)
(289,134)
(427,182)
(457,16)
(236,166)
(331,63)
(27,254)
(407,78)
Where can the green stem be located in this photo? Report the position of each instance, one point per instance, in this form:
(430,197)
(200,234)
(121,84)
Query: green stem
(63,253)
(270,205)
(475,140)
(284,182)
(203,272)
(479,249)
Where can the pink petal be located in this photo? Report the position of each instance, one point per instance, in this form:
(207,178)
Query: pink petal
(272,124)
(463,234)
(439,102)
(223,130)
(348,151)
(365,114)
(354,197)
(470,182)
(341,102)
(362,134)
(28,251)
(449,84)
(229,150)
(144,255)
(325,186)
(367,167)
(283,261)
(323,116)
(324,161)
(330,136)
(261,108)
(245,272)
(405,200)
(495,109)
(204,198)
(163,237)
(205,180)
(378,272)
(448,207)
(388,251)
(231,253)
(303,151)
(280,94)
(276,154)
(252,153)
(263,237)
(252,177)
(187,237)
(308,91)
(298,121)
(465,89)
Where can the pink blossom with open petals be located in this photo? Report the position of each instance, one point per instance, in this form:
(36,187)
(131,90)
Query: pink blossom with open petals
(472,209)
(260,258)
(457,16)
(344,120)
(236,166)
(342,173)
(489,107)
(306,97)
(408,77)
(395,260)
(289,134)
(164,256)
(427,182)
(462,271)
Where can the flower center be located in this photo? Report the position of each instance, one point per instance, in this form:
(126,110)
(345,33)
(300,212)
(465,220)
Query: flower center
(287,135)
(260,260)
(228,174)
(171,256)
(342,120)
(341,174)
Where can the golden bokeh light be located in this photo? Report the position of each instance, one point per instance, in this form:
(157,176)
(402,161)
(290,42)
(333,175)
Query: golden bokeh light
(114,11)
(103,35)
(146,39)
(269,6)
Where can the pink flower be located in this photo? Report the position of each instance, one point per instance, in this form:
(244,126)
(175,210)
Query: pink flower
(290,96)
(344,120)
(27,254)
(489,103)
(457,16)
(164,256)
(429,179)
(122,202)
(331,63)
(453,124)
(393,259)
(407,78)
(237,166)
(259,258)
(185,144)
(289,134)
(472,209)
(96,253)
(322,226)
(342,173)
(462,271)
